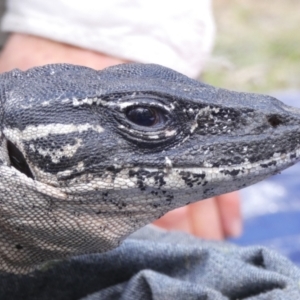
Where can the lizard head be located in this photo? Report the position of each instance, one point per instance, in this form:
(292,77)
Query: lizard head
(101,153)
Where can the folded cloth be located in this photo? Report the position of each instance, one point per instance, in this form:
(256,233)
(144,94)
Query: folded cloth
(155,264)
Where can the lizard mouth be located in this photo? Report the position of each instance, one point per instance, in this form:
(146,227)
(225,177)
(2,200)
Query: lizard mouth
(277,164)
(179,178)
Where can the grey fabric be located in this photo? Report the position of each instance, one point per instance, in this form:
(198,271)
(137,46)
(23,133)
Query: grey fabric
(153,264)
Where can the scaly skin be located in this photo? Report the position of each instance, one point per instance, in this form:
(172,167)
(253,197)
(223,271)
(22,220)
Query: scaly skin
(88,157)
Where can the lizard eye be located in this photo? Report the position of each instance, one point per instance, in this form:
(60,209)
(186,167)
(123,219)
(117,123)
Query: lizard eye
(144,116)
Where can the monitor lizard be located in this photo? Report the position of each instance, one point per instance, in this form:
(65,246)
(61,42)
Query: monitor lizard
(87,157)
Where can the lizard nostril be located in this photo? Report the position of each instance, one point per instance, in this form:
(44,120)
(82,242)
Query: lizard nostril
(17,159)
(274,120)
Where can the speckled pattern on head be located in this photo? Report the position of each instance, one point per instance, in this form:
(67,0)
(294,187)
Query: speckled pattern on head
(87,157)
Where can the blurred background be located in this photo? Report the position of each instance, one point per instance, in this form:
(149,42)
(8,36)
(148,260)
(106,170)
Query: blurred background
(258,50)
(257,45)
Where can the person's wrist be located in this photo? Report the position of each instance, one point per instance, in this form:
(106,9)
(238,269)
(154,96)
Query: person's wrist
(25,51)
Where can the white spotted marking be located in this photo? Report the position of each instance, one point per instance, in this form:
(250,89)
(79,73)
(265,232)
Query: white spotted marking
(194,127)
(57,154)
(170,133)
(168,162)
(88,101)
(203,112)
(46,103)
(206,151)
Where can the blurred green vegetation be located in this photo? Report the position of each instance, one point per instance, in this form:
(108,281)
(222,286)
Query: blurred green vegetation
(257,45)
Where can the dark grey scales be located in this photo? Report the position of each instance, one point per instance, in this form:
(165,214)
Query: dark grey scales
(87,157)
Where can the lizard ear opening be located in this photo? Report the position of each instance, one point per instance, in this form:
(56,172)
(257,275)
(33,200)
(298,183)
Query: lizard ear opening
(18,160)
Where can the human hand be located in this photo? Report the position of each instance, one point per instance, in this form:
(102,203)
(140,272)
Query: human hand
(216,218)
(24,51)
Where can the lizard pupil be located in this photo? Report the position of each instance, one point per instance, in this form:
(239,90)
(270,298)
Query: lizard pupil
(142,116)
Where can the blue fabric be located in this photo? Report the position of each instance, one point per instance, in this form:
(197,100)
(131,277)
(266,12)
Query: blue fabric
(272,208)
(157,265)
